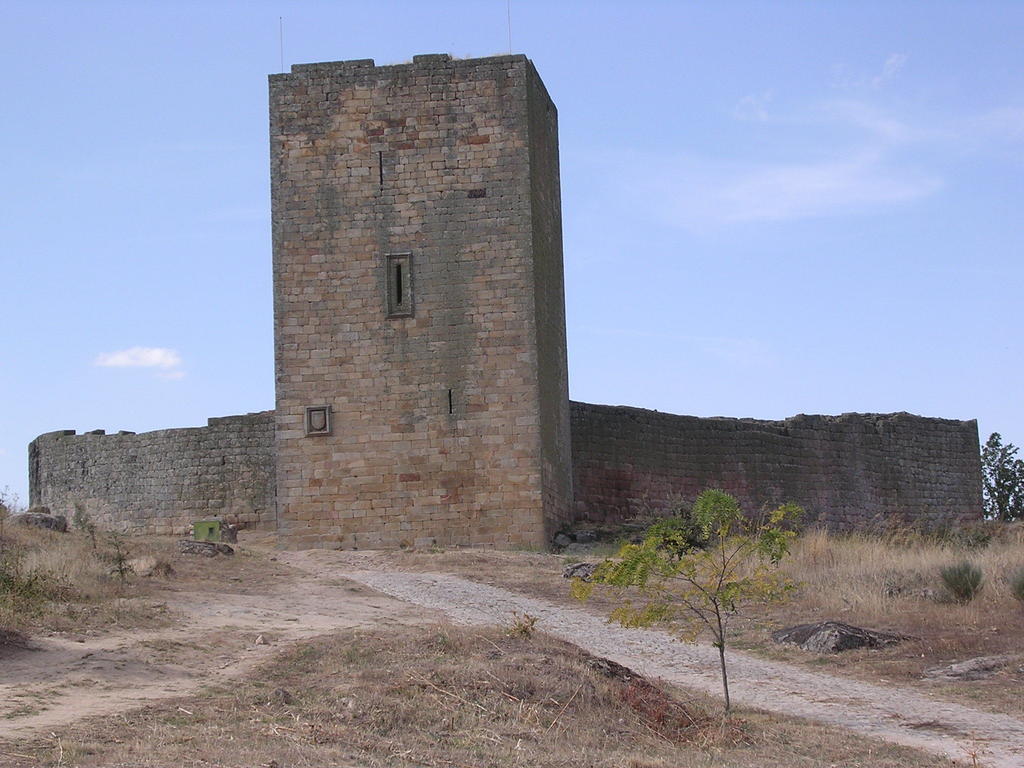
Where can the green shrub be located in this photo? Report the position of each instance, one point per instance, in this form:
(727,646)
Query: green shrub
(118,557)
(963,581)
(1017,585)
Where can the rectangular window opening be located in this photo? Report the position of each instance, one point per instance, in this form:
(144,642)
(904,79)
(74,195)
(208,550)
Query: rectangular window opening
(451,402)
(399,284)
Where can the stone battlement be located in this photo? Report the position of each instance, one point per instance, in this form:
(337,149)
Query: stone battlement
(420,355)
(159,481)
(420,61)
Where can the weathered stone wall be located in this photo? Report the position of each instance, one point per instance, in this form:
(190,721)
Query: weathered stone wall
(848,471)
(160,482)
(549,306)
(450,418)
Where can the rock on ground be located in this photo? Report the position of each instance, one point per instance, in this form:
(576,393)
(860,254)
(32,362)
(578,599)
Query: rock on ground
(582,571)
(835,636)
(40,517)
(971,669)
(204,548)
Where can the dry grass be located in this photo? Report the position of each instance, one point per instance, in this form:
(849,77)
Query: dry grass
(455,698)
(62,582)
(886,581)
(75,585)
(872,575)
(892,582)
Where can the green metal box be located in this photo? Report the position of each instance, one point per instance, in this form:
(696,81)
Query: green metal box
(206,530)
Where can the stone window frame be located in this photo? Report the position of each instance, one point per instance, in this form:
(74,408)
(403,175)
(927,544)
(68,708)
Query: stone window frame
(307,421)
(398,284)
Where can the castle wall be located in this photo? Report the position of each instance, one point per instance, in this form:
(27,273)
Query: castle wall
(159,482)
(450,415)
(848,471)
(420,356)
(549,306)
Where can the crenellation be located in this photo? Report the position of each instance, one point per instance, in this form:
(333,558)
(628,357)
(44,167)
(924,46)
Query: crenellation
(442,387)
(159,482)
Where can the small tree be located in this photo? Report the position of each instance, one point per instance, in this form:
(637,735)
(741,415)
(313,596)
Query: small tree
(700,571)
(118,557)
(1002,480)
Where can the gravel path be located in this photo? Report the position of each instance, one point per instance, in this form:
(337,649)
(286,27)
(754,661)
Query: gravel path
(901,716)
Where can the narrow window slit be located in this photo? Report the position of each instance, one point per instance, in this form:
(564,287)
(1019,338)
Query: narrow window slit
(398,284)
(380,168)
(451,402)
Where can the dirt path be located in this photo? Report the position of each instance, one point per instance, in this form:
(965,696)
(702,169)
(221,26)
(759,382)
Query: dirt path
(57,681)
(61,680)
(899,716)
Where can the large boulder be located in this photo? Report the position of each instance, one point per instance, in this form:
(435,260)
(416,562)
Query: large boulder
(835,636)
(40,517)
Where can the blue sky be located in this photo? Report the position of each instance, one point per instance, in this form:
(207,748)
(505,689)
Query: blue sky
(769,208)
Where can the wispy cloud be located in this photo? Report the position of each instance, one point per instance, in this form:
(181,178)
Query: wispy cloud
(893,64)
(807,190)
(866,152)
(697,193)
(890,69)
(167,361)
(140,357)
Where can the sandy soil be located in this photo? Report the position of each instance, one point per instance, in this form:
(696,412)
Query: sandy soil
(57,680)
(897,715)
(60,680)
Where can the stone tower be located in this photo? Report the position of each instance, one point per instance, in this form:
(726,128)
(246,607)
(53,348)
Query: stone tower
(419,321)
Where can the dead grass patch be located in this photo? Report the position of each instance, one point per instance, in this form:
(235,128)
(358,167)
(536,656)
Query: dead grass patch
(888,582)
(452,698)
(76,583)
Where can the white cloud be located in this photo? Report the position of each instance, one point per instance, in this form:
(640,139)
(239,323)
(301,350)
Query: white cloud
(696,193)
(893,64)
(810,190)
(142,357)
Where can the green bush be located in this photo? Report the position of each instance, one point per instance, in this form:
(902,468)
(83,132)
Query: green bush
(963,581)
(1017,585)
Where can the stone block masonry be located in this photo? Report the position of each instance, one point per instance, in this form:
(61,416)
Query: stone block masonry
(418,296)
(420,356)
(849,472)
(160,482)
